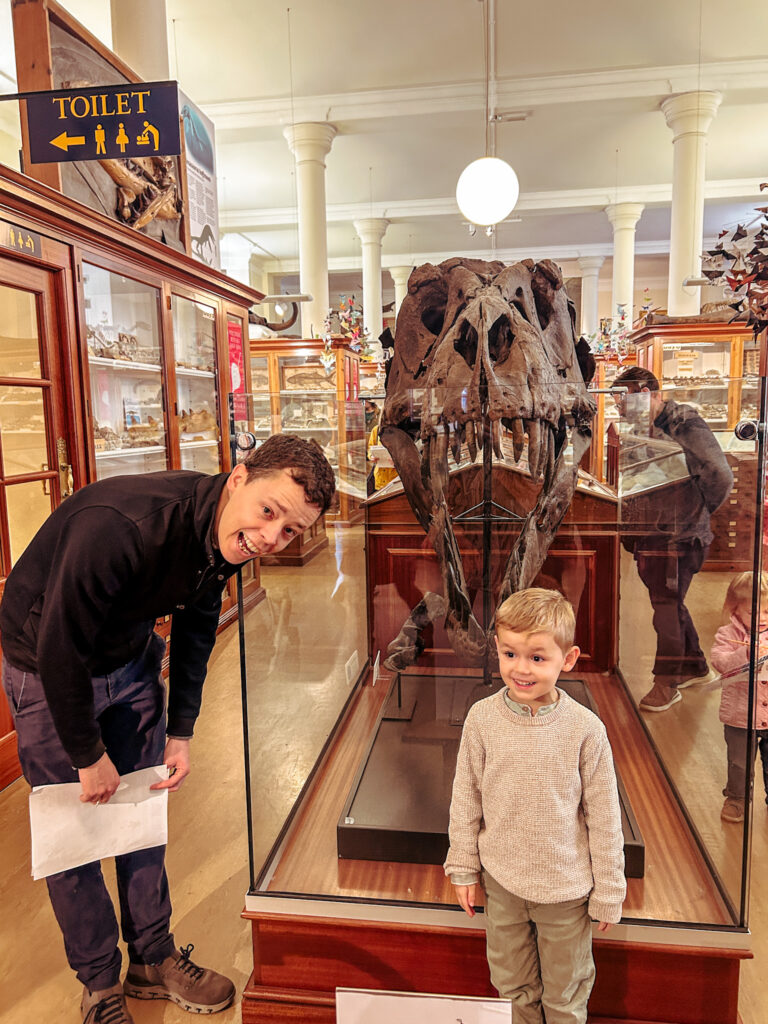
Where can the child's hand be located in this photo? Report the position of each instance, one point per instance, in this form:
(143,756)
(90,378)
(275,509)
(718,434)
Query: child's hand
(604,926)
(466,895)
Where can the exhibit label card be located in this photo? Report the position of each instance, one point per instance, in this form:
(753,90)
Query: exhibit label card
(366,1006)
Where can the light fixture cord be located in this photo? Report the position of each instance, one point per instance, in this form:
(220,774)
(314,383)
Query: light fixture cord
(293,124)
(486,49)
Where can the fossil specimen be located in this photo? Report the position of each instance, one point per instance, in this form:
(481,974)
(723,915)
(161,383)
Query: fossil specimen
(482,348)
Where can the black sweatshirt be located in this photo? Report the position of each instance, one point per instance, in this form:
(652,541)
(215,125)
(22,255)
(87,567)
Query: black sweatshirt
(83,597)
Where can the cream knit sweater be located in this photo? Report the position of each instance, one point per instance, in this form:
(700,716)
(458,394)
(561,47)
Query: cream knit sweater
(535,803)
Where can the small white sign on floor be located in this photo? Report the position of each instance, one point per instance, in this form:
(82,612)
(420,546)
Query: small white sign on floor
(365,1006)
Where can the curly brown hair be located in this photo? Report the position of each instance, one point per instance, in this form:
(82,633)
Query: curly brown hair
(303,459)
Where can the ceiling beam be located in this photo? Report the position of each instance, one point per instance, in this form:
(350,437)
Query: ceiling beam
(512,93)
(562,201)
(557,253)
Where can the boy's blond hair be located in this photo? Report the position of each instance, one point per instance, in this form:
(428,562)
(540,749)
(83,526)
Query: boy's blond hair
(537,610)
(740,591)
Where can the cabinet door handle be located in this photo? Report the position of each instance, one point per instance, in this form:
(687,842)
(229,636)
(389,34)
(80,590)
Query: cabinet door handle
(66,480)
(46,482)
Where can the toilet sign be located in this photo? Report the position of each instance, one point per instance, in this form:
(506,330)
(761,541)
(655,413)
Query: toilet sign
(104,122)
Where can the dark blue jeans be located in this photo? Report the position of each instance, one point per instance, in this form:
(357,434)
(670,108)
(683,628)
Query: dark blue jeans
(130,707)
(667,571)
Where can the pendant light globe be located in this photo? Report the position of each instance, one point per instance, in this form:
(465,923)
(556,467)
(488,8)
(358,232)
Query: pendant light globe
(487,191)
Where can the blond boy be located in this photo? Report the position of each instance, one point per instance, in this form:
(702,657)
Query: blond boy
(535,812)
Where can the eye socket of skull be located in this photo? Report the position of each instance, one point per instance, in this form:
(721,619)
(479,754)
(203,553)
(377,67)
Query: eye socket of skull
(432,317)
(500,338)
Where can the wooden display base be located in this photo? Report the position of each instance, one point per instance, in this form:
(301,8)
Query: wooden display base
(313,956)
(320,923)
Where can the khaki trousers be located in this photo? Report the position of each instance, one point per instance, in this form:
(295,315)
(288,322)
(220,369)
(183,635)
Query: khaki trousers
(540,956)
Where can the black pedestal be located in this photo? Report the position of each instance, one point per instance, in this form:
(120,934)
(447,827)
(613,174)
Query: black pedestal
(397,809)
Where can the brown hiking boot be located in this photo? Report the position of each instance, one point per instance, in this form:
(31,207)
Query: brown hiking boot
(105,1006)
(660,698)
(193,988)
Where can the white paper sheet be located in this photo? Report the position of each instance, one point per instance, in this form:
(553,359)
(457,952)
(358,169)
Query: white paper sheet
(67,833)
(363,1006)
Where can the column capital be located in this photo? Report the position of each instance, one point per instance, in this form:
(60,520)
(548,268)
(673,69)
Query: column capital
(371,230)
(400,275)
(591,264)
(310,140)
(691,113)
(624,215)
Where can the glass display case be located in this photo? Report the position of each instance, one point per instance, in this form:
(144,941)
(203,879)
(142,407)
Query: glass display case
(125,364)
(348,859)
(194,341)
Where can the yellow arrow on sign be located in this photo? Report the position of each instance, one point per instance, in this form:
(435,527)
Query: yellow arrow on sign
(64,141)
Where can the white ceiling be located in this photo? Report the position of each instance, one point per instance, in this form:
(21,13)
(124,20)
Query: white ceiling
(403,84)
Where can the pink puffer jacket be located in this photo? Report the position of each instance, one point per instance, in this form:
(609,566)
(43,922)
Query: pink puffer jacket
(730,651)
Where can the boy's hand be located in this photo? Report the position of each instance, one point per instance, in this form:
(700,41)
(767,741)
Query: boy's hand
(466,895)
(604,926)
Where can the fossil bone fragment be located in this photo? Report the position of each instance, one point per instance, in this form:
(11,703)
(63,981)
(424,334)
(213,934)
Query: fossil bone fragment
(480,349)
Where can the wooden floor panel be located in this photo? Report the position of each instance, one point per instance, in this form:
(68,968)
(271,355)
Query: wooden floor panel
(677,885)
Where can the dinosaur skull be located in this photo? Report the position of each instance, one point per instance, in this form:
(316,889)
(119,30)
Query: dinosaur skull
(487,348)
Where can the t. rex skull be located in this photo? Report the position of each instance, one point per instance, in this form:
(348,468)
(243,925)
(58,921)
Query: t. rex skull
(481,348)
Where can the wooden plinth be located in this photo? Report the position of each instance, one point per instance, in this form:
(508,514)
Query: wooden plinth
(300,959)
(299,962)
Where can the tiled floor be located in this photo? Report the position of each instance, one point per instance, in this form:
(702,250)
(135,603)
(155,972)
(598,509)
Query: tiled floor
(299,642)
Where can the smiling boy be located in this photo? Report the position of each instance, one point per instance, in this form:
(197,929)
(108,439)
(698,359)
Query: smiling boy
(535,812)
(82,672)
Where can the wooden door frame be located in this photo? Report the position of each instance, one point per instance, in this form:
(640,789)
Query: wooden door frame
(50,278)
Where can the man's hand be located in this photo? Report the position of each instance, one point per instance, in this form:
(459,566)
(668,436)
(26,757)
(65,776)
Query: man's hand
(99,781)
(604,926)
(466,895)
(178,760)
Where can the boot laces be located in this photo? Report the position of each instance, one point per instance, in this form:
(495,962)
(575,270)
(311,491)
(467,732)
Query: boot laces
(110,1010)
(186,966)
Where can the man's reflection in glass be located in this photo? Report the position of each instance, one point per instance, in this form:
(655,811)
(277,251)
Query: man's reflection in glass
(674,531)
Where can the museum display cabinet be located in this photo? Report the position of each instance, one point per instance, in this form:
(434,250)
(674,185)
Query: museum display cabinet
(115,352)
(306,389)
(346,887)
(714,365)
(372,378)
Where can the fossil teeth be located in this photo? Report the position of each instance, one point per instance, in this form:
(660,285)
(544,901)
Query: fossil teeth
(496,437)
(471,440)
(518,438)
(532,429)
(546,434)
(442,443)
(549,468)
(456,443)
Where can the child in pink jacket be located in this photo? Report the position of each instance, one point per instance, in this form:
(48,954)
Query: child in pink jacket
(730,653)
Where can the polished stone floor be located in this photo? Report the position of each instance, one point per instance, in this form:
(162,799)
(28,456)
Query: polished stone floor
(299,642)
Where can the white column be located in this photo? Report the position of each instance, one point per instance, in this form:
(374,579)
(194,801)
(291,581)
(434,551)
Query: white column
(590,278)
(371,230)
(624,218)
(400,277)
(310,143)
(689,116)
(140,37)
